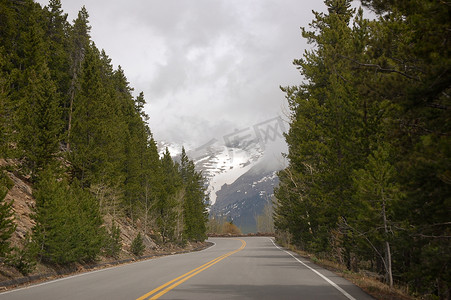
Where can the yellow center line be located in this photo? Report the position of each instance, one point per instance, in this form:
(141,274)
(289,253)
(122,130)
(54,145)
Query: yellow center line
(173,280)
(179,280)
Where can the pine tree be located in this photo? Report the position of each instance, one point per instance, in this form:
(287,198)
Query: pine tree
(8,27)
(38,117)
(138,247)
(53,221)
(5,110)
(7,225)
(68,222)
(93,139)
(79,40)
(137,164)
(57,34)
(376,85)
(39,121)
(113,241)
(23,258)
(377,189)
(150,183)
(194,206)
(166,205)
(90,233)
(316,188)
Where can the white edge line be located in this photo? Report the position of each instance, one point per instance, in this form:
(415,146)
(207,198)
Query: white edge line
(92,272)
(214,244)
(318,273)
(56,280)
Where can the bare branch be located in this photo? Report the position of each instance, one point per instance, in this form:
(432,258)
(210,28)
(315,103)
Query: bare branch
(367,240)
(379,68)
(436,105)
(434,236)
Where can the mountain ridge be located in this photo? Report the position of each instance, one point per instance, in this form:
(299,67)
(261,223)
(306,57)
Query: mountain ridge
(241,179)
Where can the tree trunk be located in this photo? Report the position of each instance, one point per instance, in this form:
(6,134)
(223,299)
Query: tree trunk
(387,246)
(69,126)
(146,208)
(388,259)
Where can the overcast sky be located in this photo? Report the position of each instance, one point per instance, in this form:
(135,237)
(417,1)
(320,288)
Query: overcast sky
(206,67)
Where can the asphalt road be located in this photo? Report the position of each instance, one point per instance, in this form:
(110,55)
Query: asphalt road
(244,268)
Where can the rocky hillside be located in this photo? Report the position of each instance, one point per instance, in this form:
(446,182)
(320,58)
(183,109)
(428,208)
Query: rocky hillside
(21,197)
(23,203)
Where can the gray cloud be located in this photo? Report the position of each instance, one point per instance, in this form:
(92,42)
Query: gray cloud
(206,66)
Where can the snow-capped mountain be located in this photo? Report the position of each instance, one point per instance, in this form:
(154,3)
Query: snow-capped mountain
(240,170)
(223,165)
(219,164)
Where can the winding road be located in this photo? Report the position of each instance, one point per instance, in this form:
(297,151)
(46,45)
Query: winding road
(234,268)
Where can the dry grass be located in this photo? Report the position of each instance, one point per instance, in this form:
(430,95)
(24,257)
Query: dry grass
(377,289)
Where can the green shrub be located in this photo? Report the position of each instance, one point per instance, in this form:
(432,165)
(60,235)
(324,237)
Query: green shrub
(23,259)
(113,242)
(7,226)
(68,222)
(138,246)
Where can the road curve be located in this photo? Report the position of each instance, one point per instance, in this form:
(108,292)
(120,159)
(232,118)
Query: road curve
(242,268)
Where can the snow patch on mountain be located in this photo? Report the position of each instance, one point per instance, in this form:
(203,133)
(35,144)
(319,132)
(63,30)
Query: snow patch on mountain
(255,151)
(223,165)
(228,176)
(219,164)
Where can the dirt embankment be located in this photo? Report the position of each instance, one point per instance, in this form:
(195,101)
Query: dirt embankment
(21,195)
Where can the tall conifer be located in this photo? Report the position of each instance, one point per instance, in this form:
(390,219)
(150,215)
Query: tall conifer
(79,43)
(194,205)
(38,117)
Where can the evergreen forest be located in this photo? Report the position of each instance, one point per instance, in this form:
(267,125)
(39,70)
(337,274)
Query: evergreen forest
(368,182)
(72,128)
